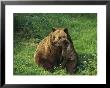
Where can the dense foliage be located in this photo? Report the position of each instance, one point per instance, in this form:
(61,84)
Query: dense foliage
(31,28)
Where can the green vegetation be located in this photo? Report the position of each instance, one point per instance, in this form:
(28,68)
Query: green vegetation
(30,29)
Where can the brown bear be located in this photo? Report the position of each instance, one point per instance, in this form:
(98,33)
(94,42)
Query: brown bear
(49,51)
(70,56)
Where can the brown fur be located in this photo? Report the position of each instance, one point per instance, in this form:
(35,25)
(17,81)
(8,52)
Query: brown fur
(49,50)
(69,56)
(70,59)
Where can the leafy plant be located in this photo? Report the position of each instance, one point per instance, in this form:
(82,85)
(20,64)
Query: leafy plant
(31,28)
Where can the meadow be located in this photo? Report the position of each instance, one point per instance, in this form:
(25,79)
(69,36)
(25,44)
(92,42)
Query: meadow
(31,28)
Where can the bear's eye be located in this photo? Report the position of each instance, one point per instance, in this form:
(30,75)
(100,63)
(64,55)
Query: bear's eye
(59,37)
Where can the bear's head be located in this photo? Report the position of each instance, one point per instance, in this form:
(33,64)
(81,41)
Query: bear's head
(60,37)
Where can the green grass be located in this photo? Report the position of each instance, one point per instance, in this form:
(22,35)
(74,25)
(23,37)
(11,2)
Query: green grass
(82,29)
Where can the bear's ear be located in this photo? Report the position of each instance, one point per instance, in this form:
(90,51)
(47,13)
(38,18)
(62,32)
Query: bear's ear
(66,30)
(53,29)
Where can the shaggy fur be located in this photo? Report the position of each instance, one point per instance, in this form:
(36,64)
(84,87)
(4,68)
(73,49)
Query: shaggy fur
(49,50)
(69,56)
(55,49)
